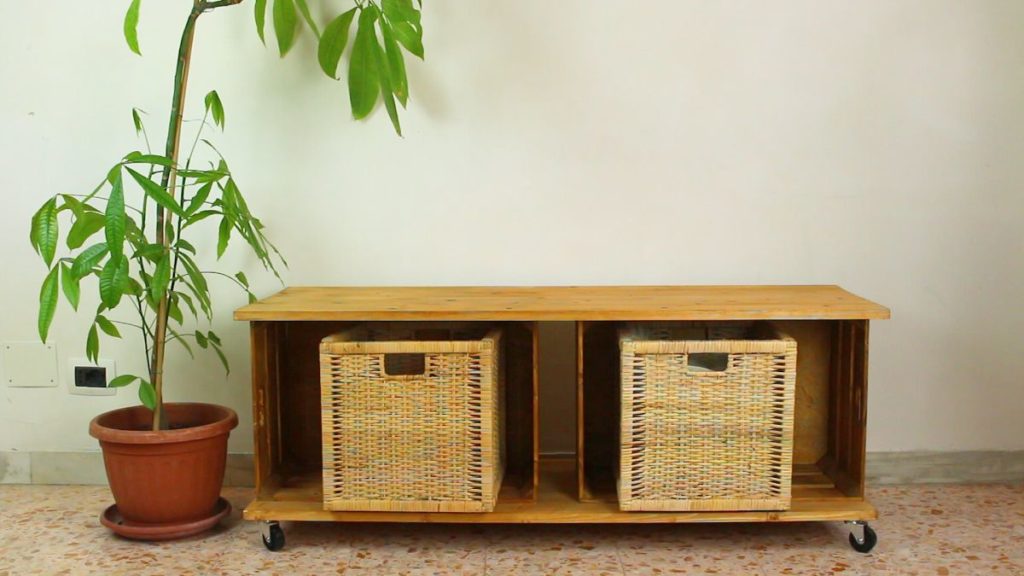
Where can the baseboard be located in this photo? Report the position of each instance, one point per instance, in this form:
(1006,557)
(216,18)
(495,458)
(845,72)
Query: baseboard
(968,467)
(87,468)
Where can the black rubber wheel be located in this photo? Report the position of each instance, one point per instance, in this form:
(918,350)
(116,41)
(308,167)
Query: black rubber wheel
(276,540)
(870,539)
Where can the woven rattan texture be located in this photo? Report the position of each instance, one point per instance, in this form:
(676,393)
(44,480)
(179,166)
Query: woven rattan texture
(428,442)
(706,440)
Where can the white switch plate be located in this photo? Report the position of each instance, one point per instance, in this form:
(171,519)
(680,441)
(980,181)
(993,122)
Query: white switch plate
(69,377)
(28,365)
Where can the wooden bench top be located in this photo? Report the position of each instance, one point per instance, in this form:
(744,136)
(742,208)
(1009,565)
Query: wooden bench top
(564,303)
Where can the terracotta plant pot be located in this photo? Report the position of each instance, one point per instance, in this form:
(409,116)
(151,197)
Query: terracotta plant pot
(166,484)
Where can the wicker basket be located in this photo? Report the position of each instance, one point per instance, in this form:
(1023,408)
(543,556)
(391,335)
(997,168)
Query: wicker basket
(412,418)
(707,417)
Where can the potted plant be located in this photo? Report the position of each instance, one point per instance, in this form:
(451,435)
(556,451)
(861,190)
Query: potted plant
(135,234)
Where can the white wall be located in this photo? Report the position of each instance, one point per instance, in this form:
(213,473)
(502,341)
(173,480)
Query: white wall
(872,144)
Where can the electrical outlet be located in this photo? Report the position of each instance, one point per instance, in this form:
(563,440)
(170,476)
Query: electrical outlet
(28,365)
(85,378)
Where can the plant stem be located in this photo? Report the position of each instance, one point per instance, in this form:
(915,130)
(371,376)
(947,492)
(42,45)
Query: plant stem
(188,164)
(168,183)
(156,371)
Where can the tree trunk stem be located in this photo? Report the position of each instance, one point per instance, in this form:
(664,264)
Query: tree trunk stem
(168,182)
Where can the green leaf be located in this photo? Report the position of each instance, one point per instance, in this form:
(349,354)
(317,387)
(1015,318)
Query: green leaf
(333,42)
(88,259)
(133,234)
(396,63)
(115,218)
(138,121)
(151,252)
(181,340)
(122,381)
(133,288)
(214,148)
(92,345)
(186,245)
(203,176)
(197,283)
(44,231)
(261,18)
(204,300)
(363,84)
(156,159)
(213,337)
(215,108)
(240,276)
(48,302)
(201,340)
(84,226)
(161,277)
(76,206)
(285,22)
(114,281)
(69,284)
(199,217)
(107,326)
(188,302)
(197,201)
(223,358)
(304,9)
(174,312)
(131,25)
(228,200)
(223,236)
(157,193)
(386,91)
(410,37)
(401,11)
(147,394)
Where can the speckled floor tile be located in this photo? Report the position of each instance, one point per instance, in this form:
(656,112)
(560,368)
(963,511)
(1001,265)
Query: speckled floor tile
(563,550)
(924,530)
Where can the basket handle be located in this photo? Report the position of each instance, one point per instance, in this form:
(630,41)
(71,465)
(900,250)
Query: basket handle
(405,364)
(707,362)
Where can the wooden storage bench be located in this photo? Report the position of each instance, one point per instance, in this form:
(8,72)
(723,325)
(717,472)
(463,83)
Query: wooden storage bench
(829,324)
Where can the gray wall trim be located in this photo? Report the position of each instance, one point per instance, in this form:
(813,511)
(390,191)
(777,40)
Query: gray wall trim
(87,468)
(968,467)
(882,467)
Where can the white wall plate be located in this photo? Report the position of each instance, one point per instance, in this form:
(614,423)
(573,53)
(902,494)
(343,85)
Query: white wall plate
(28,365)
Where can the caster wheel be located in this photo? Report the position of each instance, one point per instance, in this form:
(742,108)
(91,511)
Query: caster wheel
(865,546)
(273,539)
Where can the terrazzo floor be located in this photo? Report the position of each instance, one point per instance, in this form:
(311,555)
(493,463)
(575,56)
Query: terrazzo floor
(933,530)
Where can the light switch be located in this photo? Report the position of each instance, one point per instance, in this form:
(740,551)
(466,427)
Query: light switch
(85,378)
(28,365)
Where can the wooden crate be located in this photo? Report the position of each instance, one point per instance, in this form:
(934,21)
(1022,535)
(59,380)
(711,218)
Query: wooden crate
(706,417)
(412,418)
(831,327)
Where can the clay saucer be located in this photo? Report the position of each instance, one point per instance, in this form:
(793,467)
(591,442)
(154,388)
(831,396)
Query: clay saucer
(111,518)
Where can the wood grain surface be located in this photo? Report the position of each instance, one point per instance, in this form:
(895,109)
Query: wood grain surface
(564,303)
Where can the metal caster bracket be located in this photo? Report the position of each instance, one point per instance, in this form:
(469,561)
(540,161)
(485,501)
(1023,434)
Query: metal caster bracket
(272,535)
(862,537)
